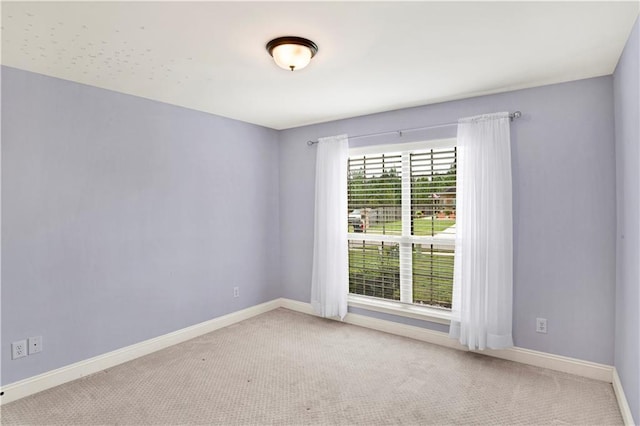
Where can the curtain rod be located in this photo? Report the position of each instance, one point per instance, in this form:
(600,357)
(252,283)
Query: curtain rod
(512,116)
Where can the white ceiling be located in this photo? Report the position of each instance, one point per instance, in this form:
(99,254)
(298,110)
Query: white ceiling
(373,56)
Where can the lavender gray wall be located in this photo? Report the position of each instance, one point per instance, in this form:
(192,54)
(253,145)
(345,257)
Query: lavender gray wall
(627,137)
(563,200)
(124,219)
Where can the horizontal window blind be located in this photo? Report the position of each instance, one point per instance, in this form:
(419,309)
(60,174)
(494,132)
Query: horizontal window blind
(374,269)
(432,275)
(374,192)
(433,190)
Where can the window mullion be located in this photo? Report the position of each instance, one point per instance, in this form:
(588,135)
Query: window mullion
(406,268)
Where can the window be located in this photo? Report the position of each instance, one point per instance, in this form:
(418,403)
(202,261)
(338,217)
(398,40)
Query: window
(401,222)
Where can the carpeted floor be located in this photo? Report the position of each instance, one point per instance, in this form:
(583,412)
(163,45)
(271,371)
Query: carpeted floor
(283,367)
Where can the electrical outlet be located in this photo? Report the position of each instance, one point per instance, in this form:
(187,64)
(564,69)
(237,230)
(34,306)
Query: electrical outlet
(541,325)
(18,349)
(35,345)
(236,292)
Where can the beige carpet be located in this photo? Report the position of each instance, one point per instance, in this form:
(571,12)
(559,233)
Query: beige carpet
(283,367)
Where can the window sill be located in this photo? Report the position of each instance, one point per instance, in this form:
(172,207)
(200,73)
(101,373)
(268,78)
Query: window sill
(440,316)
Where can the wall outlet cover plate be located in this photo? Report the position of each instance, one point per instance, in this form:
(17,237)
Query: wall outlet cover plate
(35,345)
(19,349)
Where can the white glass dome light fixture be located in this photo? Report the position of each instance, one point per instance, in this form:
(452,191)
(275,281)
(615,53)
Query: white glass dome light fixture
(292,53)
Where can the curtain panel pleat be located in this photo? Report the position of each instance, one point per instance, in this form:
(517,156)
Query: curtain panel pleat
(483,267)
(330,276)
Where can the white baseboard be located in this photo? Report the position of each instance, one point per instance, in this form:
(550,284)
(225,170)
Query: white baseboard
(564,364)
(591,370)
(93,365)
(627,417)
(80,369)
(295,305)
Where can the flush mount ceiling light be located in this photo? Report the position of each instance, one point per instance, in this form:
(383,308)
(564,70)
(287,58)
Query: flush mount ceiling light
(292,53)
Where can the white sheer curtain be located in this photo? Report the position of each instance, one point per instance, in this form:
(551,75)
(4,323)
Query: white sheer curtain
(483,268)
(330,278)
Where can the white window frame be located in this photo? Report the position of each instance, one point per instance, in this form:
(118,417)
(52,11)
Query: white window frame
(405,307)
